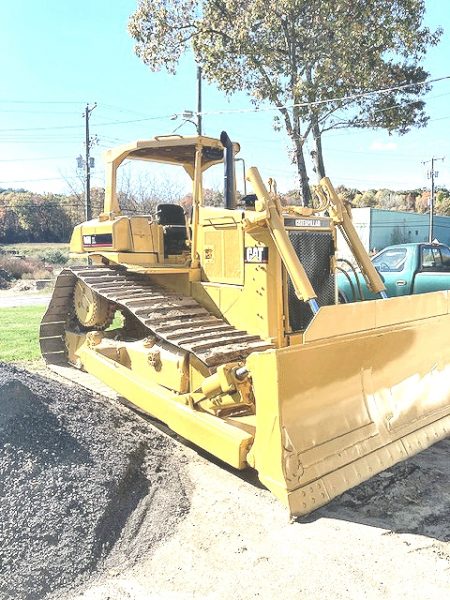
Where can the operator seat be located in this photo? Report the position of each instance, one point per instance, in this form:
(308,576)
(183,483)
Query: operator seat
(171,217)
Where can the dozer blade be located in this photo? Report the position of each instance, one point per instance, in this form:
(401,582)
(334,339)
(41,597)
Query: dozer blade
(369,387)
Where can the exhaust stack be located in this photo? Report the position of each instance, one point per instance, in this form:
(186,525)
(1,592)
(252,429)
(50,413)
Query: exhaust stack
(229,177)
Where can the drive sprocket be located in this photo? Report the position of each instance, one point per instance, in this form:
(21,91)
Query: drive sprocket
(91,309)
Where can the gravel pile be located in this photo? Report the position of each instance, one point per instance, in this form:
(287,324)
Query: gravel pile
(85,485)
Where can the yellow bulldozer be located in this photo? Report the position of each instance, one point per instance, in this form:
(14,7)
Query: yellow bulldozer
(231,332)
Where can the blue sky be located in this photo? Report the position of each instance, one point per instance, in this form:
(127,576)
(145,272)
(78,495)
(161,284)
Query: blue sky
(56,56)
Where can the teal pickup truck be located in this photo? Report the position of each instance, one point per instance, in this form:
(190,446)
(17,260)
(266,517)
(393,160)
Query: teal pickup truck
(405,269)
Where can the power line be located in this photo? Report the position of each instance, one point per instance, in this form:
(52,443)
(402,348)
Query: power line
(43,128)
(325,101)
(125,110)
(391,181)
(38,112)
(394,155)
(231,111)
(35,158)
(382,110)
(355,129)
(160,118)
(3,101)
(109,123)
(292,173)
(35,180)
(62,140)
(101,105)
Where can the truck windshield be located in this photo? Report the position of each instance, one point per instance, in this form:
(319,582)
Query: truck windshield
(390,260)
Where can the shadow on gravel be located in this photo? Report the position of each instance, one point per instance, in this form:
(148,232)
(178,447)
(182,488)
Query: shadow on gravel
(124,497)
(410,497)
(248,475)
(84,485)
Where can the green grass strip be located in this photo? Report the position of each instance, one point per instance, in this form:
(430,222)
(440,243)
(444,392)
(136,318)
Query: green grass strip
(19,333)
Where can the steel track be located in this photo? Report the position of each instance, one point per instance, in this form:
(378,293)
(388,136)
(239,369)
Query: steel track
(177,319)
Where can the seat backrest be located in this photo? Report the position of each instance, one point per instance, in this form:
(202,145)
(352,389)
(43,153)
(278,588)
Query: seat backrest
(170,214)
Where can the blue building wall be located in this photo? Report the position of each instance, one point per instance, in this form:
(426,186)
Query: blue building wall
(379,228)
(441,229)
(389,227)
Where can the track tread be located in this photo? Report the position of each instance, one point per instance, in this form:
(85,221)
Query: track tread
(177,319)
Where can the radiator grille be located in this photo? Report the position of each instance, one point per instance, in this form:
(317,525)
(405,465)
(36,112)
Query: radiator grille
(314,249)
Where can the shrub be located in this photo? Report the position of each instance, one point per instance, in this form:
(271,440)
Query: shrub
(38,273)
(54,256)
(23,268)
(5,278)
(16,267)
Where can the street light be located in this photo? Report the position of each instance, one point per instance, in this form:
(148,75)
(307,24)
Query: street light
(187,116)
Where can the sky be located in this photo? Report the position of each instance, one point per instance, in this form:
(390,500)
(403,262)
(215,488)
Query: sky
(57,56)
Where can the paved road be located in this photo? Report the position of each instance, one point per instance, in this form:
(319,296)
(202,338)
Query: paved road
(23,300)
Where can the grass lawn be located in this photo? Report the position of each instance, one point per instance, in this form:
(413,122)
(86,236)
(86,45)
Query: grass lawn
(43,251)
(28,247)
(19,333)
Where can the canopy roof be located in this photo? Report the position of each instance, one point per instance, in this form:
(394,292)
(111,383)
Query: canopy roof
(171,149)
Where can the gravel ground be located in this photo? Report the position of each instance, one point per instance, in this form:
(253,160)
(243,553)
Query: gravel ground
(26,292)
(12,301)
(388,539)
(98,505)
(84,485)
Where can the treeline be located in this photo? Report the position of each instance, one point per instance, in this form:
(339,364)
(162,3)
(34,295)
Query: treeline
(417,200)
(410,200)
(29,217)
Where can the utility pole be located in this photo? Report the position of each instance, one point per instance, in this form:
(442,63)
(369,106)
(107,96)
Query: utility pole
(189,115)
(199,100)
(432,174)
(88,144)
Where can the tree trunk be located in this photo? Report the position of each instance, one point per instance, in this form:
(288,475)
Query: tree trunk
(318,154)
(293,130)
(302,173)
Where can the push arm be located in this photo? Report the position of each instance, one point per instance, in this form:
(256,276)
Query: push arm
(343,220)
(268,213)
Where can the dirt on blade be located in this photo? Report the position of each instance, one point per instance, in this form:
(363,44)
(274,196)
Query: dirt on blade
(84,485)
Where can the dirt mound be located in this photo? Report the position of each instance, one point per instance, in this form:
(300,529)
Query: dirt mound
(25,285)
(84,484)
